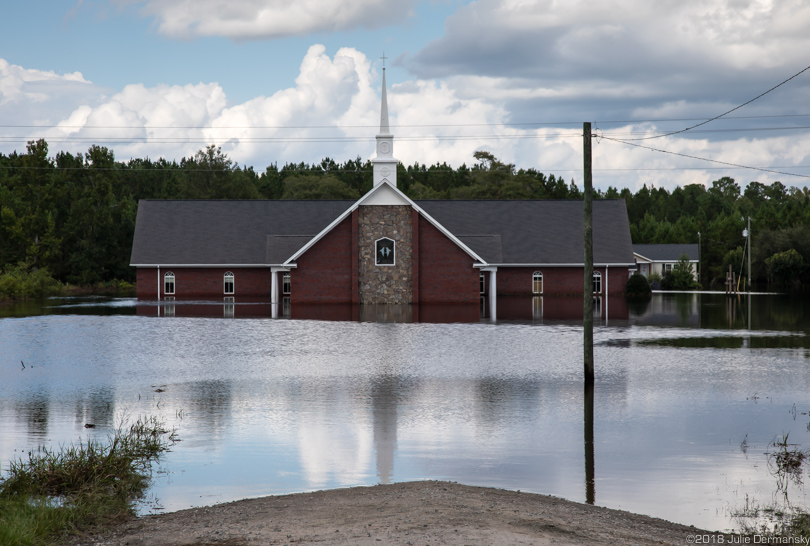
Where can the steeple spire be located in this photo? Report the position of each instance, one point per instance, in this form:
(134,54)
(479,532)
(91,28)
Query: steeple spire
(384,129)
(385,164)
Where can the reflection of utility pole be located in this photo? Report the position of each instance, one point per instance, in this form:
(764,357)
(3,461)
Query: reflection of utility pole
(587,319)
(700,268)
(590,474)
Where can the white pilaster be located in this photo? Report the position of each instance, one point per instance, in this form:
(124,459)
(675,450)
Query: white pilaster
(274,271)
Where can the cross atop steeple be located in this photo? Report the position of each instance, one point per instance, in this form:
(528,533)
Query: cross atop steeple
(383,59)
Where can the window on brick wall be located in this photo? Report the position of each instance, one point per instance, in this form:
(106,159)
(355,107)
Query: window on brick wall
(286,284)
(168,283)
(229,283)
(483,282)
(597,282)
(537,282)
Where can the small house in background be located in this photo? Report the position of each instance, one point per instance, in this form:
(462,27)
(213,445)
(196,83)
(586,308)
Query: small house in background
(662,258)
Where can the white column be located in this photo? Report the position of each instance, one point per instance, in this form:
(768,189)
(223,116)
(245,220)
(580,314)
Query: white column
(607,292)
(273,285)
(493,292)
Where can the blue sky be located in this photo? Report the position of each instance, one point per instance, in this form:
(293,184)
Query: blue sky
(273,81)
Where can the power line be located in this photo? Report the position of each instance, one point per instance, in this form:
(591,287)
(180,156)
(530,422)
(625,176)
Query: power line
(429,169)
(706,159)
(729,111)
(349,139)
(504,124)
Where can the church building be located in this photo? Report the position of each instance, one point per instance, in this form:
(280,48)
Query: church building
(383,248)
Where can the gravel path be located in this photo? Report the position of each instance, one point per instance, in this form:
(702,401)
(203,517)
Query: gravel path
(426,512)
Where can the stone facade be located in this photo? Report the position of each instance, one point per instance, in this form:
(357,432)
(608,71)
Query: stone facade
(385,283)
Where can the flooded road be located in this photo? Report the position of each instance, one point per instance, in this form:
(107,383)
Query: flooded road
(687,403)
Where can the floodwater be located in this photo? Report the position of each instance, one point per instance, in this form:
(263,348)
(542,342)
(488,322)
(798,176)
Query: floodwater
(692,391)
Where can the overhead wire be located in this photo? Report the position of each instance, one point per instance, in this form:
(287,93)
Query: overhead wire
(727,112)
(706,159)
(432,125)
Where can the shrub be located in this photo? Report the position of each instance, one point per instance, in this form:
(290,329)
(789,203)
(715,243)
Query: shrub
(638,286)
(23,281)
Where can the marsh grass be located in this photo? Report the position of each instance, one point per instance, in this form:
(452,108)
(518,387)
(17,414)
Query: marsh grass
(779,518)
(91,483)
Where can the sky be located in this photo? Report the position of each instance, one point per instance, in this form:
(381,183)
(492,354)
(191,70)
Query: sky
(282,81)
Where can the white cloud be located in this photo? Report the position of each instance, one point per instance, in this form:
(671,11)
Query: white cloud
(268,19)
(585,60)
(18,84)
(333,110)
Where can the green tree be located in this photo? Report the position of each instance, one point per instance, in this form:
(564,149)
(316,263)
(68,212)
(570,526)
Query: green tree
(786,268)
(317,187)
(683,274)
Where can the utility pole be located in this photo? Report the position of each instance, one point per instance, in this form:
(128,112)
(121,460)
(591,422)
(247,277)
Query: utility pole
(588,288)
(749,253)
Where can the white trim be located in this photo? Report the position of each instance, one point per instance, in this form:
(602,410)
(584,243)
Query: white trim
(416,207)
(224,266)
(174,283)
(555,265)
(534,274)
(225,283)
(376,258)
(664,261)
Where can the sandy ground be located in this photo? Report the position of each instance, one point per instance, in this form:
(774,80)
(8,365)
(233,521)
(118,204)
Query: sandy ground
(426,512)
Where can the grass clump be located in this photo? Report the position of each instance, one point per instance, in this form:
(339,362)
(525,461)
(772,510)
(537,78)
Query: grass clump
(57,492)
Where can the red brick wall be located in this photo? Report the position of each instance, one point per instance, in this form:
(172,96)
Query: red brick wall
(517,281)
(146,283)
(446,274)
(205,283)
(324,273)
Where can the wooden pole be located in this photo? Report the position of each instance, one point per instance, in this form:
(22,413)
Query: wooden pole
(749,253)
(590,472)
(588,287)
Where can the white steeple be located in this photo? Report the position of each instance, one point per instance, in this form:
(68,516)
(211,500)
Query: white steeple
(385,165)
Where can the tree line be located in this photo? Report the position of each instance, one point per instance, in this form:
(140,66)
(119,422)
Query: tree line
(73,216)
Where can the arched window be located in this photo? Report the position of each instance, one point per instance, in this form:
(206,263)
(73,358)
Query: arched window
(597,282)
(537,282)
(229,282)
(168,283)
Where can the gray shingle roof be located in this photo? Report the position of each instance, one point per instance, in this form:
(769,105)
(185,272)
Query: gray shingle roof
(668,253)
(211,232)
(538,232)
(233,232)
